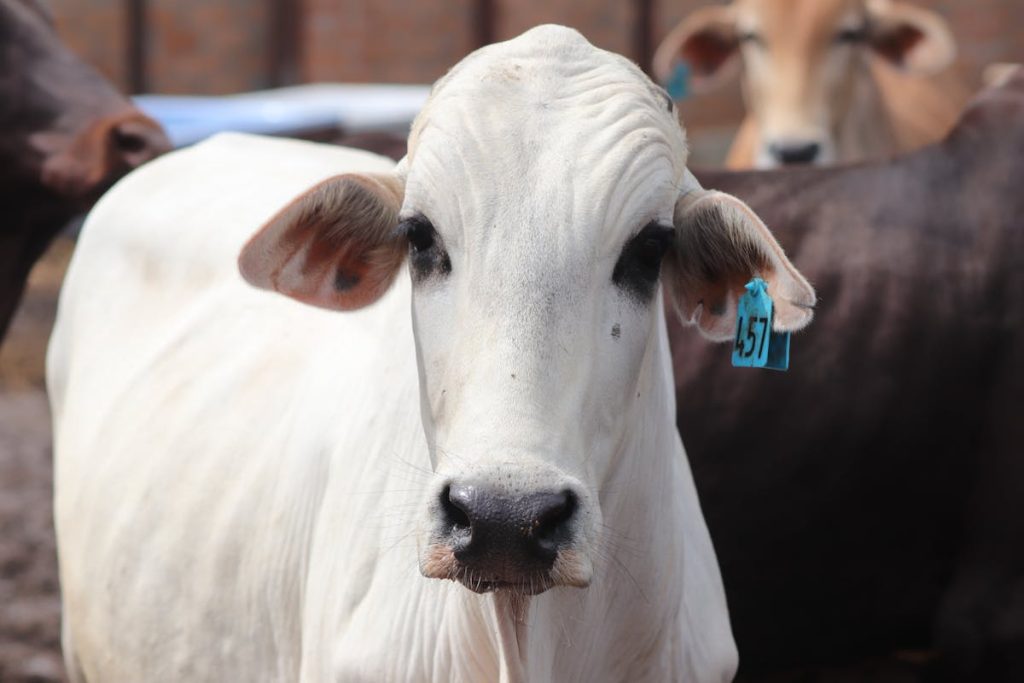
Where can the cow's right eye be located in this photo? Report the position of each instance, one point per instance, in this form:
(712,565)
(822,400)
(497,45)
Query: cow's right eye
(851,34)
(751,38)
(427,256)
(420,234)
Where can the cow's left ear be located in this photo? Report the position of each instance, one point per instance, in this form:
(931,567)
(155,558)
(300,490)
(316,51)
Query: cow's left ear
(334,246)
(912,38)
(720,246)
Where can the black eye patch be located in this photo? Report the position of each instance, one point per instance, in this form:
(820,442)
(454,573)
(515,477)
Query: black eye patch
(427,256)
(639,265)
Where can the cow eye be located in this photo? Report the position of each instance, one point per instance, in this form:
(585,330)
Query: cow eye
(639,265)
(420,233)
(426,255)
(851,34)
(751,38)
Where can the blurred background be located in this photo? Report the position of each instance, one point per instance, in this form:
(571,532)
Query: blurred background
(216,47)
(226,47)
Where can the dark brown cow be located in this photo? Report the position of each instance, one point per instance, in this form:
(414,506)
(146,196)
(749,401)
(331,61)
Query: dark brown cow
(872,498)
(65,136)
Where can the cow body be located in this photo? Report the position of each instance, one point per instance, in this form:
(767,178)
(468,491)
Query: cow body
(825,81)
(283,502)
(246,486)
(881,479)
(67,136)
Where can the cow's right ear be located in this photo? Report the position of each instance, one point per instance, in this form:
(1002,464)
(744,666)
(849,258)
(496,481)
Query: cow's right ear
(334,246)
(707,42)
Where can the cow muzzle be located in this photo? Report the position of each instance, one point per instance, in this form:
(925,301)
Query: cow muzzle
(794,152)
(491,539)
(88,163)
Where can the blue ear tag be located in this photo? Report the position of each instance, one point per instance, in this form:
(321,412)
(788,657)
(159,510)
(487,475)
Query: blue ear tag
(678,85)
(756,345)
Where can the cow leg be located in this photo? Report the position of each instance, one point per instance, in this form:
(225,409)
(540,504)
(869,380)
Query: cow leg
(23,239)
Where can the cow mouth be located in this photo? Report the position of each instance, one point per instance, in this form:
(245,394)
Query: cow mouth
(439,562)
(533,586)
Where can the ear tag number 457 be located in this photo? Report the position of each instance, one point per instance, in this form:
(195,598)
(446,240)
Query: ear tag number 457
(756,345)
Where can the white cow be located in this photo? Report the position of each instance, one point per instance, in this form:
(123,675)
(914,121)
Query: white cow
(251,489)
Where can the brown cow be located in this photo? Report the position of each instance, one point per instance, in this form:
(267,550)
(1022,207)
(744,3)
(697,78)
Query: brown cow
(872,498)
(67,135)
(824,80)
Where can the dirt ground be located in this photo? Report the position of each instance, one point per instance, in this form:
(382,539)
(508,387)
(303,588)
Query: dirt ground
(29,600)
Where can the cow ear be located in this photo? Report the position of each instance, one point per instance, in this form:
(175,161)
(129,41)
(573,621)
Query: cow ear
(707,42)
(334,246)
(912,38)
(720,246)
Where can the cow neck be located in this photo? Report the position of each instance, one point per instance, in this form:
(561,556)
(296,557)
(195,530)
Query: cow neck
(511,612)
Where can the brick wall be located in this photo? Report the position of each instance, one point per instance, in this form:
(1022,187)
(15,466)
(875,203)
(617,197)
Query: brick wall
(609,24)
(207,46)
(383,40)
(222,46)
(95,29)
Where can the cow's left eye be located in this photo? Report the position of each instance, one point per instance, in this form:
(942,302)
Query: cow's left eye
(639,265)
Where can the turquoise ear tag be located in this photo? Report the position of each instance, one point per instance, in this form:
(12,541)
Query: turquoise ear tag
(678,85)
(756,345)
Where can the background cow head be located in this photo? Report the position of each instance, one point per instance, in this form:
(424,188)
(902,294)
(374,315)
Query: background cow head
(543,203)
(67,135)
(64,125)
(805,63)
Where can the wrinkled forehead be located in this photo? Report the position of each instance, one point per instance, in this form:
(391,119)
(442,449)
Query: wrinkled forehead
(543,124)
(809,20)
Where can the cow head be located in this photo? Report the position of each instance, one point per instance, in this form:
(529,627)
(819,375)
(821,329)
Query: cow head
(65,128)
(543,205)
(67,135)
(805,63)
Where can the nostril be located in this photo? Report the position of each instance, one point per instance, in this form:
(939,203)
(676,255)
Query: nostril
(550,527)
(128,142)
(453,507)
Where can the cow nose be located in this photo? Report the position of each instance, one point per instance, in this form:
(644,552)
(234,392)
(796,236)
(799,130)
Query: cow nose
(136,140)
(503,536)
(795,152)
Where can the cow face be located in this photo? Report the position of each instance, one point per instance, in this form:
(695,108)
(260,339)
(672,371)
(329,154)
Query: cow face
(805,63)
(543,204)
(65,128)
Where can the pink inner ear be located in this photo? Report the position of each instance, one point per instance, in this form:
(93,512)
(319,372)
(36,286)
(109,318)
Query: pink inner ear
(707,51)
(897,43)
(721,246)
(332,247)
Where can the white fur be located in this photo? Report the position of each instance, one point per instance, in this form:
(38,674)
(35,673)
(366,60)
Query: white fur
(242,480)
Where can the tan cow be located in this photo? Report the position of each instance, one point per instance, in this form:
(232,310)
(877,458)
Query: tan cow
(825,81)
